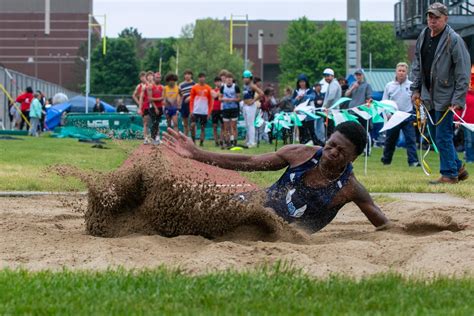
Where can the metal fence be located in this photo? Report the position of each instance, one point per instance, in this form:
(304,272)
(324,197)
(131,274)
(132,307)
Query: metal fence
(15,83)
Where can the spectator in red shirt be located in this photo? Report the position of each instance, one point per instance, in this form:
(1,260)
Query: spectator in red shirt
(25,100)
(468,116)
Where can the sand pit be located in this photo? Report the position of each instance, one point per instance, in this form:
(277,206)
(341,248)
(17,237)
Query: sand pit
(51,233)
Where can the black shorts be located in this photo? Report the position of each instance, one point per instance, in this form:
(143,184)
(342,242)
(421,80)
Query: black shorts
(216,116)
(184,110)
(199,118)
(230,114)
(146,112)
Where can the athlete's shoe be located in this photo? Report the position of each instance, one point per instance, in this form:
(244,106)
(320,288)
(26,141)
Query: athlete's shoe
(146,141)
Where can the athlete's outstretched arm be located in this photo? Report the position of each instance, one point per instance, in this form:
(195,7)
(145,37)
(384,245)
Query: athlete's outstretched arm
(185,147)
(364,201)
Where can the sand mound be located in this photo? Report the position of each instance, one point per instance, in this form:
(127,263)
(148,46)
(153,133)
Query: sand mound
(435,221)
(149,198)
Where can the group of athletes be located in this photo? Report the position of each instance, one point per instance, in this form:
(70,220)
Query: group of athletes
(195,102)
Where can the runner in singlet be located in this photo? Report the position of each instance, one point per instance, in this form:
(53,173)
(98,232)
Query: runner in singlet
(217,114)
(250,94)
(230,97)
(171,100)
(184,93)
(144,105)
(155,95)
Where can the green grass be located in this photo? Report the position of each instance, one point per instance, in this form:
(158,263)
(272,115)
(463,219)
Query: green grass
(24,163)
(23,166)
(397,177)
(263,292)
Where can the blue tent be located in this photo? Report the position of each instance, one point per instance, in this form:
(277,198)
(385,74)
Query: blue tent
(78,104)
(73,105)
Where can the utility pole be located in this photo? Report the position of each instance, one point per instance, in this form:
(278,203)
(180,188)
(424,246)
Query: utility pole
(353,36)
(88,63)
(260,51)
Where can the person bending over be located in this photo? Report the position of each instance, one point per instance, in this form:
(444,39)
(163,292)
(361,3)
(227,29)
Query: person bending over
(317,182)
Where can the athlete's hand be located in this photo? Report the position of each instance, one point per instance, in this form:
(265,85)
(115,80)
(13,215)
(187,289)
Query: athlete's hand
(179,143)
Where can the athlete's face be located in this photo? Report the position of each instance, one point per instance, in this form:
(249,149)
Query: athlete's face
(229,81)
(157,79)
(149,78)
(246,80)
(188,77)
(338,150)
(171,83)
(202,80)
(143,79)
(218,83)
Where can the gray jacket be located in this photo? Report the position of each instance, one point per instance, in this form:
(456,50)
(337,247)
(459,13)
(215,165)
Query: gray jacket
(333,93)
(450,72)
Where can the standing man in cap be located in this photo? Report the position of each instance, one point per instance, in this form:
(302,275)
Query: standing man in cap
(361,93)
(441,71)
(333,93)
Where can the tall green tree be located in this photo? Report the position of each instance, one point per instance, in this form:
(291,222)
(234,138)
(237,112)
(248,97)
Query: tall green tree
(137,38)
(379,40)
(164,48)
(298,54)
(204,48)
(117,71)
(330,49)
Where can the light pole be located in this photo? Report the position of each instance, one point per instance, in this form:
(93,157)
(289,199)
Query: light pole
(88,63)
(260,51)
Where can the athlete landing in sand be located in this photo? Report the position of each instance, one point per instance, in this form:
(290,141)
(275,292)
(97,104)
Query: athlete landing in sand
(317,183)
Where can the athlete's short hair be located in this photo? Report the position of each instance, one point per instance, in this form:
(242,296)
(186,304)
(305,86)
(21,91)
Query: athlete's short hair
(355,133)
(150,73)
(223,72)
(201,74)
(229,75)
(141,74)
(171,77)
(217,79)
(188,72)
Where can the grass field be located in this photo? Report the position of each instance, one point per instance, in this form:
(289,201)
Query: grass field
(264,292)
(23,163)
(274,291)
(23,166)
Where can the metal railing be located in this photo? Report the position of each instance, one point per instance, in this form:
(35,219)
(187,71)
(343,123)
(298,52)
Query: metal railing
(410,14)
(15,83)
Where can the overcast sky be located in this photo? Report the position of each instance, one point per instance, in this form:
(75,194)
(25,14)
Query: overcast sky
(158,18)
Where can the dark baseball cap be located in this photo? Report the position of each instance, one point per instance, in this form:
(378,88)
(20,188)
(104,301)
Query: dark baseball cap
(437,9)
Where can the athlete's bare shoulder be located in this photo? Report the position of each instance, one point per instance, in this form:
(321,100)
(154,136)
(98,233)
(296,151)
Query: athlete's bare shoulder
(297,154)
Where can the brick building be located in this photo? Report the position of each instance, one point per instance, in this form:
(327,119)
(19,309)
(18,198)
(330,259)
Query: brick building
(53,57)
